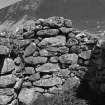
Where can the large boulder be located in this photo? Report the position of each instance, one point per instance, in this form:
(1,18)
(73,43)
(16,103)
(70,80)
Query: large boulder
(28,96)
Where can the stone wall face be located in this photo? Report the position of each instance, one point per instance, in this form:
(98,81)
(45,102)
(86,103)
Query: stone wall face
(46,58)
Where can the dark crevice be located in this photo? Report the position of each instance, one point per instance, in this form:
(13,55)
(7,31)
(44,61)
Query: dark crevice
(93,96)
(84,92)
(1,62)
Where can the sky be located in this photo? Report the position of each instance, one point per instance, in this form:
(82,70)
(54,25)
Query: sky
(4,3)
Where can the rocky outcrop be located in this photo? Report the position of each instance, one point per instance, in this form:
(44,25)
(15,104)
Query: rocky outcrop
(48,58)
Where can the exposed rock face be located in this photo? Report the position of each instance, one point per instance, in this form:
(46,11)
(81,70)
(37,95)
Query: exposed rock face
(48,58)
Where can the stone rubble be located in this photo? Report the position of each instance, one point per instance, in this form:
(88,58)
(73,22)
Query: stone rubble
(49,58)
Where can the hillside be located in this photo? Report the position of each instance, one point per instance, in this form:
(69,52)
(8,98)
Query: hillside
(5,3)
(18,12)
(85,14)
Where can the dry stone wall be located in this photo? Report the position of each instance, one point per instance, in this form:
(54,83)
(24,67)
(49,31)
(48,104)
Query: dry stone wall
(47,57)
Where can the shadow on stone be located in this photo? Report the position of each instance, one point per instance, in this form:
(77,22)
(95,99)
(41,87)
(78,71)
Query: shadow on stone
(1,62)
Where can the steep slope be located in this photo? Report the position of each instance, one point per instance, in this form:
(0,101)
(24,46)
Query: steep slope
(18,12)
(86,14)
(5,3)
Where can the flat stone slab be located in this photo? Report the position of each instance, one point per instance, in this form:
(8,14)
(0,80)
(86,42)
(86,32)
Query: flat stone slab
(48,82)
(35,60)
(48,32)
(48,67)
(53,41)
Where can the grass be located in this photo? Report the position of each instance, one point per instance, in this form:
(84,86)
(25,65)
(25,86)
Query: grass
(67,98)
